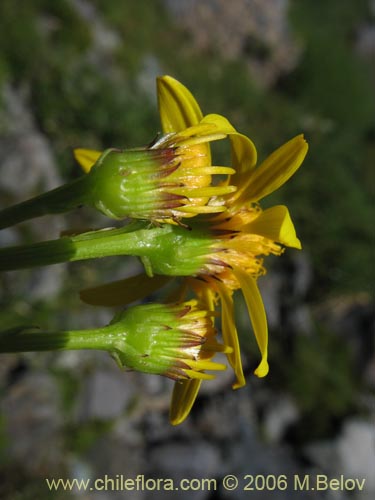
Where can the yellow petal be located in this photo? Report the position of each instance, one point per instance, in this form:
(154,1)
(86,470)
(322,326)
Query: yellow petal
(221,123)
(203,129)
(191,209)
(205,364)
(194,374)
(244,158)
(202,192)
(276,224)
(244,154)
(274,171)
(257,315)
(244,151)
(230,335)
(86,158)
(205,294)
(178,108)
(183,397)
(123,292)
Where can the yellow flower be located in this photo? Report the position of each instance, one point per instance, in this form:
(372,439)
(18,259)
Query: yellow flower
(186,391)
(173,175)
(177,341)
(243,234)
(222,254)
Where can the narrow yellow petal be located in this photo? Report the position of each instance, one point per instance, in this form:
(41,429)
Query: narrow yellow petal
(274,171)
(183,397)
(205,364)
(244,158)
(193,374)
(276,224)
(207,209)
(206,295)
(123,292)
(230,335)
(205,191)
(203,138)
(209,170)
(86,158)
(257,315)
(201,129)
(221,123)
(177,107)
(244,153)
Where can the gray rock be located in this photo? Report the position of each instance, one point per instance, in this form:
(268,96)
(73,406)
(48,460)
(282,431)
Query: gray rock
(281,413)
(301,320)
(149,70)
(255,31)
(105,395)
(179,461)
(270,287)
(8,363)
(351,317)
(352,454)
(216,418)
(252,457)
(356,451)
(26,154)
(116,457)
(104,38)
(31,409)
(366,42)
(303,273)
(288,307)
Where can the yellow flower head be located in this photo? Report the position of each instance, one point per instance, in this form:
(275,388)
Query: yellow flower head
(172,178)
(174,340)
(223,252)
(219,255)
(244,233)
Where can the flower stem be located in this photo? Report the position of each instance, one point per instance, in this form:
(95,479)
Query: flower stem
(59,200)
(91,245)
(28,341)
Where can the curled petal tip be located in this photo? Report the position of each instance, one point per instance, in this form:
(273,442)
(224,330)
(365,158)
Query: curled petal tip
(238,384)
(262,369)
(297,244)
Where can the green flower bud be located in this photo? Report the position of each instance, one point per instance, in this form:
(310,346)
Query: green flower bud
(176,251)
(125,183)
(169,180)
(177,341)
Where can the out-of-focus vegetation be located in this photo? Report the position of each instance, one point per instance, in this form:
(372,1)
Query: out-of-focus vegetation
(334,91)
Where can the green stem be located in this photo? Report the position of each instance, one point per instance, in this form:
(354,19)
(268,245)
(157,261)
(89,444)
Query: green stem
(92,245)
(56,201)
(28,341)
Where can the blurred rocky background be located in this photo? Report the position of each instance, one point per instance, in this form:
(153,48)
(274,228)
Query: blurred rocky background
(81,73)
